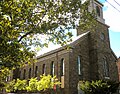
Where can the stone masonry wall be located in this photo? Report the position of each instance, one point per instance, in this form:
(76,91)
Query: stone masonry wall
(81,49)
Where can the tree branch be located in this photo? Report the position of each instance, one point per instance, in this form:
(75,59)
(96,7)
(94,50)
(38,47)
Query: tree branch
(24,35)
(34,27)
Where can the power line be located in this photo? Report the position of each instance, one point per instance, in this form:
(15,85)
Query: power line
(113,6)
(117,2)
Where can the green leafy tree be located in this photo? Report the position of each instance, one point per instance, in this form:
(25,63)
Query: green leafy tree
(3,77)
(32,86)
(10,86)
(25,24)
(99,87)
(46,83)
(20,85)
(16,85)
(28,24)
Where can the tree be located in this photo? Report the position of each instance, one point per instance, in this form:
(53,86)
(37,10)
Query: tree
(45,83)
(3,77)
(25,24)
(99,87)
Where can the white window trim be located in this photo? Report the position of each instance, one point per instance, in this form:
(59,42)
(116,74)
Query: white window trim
(79,65)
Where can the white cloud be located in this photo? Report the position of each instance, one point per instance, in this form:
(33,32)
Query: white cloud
(112,16)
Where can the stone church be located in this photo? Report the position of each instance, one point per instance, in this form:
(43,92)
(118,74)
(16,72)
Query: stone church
(89,58)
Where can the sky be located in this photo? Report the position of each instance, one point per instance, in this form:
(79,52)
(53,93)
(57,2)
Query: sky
(111,14)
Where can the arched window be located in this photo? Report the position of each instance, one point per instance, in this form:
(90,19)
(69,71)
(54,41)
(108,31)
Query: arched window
(36,71)
(29,72)
(98,10)
(79,65)
(52,68)
(102,36)
(44,69)
(62,72)
(105,67)
(62,66)
(24,74)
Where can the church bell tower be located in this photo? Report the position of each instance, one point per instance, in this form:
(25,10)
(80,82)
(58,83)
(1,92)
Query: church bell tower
(96,6)
(99,43)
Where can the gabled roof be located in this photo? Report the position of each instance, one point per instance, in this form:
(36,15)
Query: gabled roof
(79,38)
(71,44)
